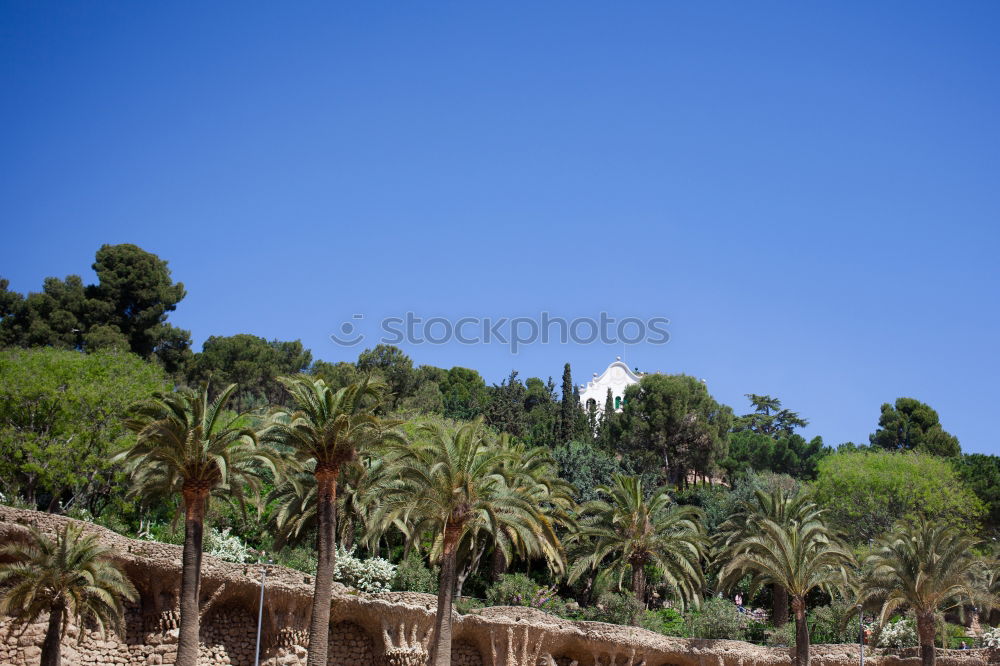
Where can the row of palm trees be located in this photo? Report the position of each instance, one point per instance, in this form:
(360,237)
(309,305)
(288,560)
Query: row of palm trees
(780,540)
(467,487)
(462,491)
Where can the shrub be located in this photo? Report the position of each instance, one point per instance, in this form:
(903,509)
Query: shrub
(372,575)
(783,636)
(466,605)
(953,635)
(302,558)
(162,533)
(666,621)
(511,590)
(519,590)
(831,624)
(991,638)
(717,618)
(614,608)
(898,634)
(225,546)
(412,575)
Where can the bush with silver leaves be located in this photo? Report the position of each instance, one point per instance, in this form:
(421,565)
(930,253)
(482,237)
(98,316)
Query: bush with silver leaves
(371,575)
(226,546)
(898,634)
(991,638)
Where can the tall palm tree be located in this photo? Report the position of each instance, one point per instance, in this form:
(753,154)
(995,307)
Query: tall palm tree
(191,446)
(629,532)
(72,578)
(532,472)
(798,556)
(326,430)
(926,566)
(780,506)
(293,516)
(449,483)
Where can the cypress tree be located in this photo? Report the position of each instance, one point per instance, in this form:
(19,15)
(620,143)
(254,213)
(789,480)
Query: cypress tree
(570,407)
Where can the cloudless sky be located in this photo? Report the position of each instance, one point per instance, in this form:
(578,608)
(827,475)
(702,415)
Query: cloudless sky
(810,192)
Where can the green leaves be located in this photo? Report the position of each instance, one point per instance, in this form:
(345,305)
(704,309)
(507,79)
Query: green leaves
(626,532)
(924,565)
(865,493)
(671,421)
(911,425)
(126,309)
(74,572)
(62,420)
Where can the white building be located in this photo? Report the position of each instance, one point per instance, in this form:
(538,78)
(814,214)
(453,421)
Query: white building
(616,377)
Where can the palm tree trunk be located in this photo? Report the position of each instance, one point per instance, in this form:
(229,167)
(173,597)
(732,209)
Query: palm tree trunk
(52,643)
(925,630)
(326,560)
(470,568)
(498,566)
(638,587)
(441,643)
(801,632)
(780,610)
(194,523)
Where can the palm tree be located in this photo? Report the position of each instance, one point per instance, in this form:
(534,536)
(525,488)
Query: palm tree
(798,556)
(926,566)
(191,446)
(72,578)
(326,431)
(293,502)
(629,532)
(533,473)
(780,506)
(449,483)
(986,584)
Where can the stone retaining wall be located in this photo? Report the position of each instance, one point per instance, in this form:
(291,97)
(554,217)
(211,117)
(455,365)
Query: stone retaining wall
(389,629)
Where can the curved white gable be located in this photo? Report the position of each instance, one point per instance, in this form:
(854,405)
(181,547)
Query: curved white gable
(616,377)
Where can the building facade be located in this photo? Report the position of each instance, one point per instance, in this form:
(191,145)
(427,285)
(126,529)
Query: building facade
(616,377)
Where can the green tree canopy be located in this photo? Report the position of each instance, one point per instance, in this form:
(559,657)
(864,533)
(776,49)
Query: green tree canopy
(671,422)
(768,418)
(981,474)
(785,454)
(251,362)
(62,419)
(134,293)
(127,307)
(394,367)
(865,493)
(464,394)
(335,375)
(911,425)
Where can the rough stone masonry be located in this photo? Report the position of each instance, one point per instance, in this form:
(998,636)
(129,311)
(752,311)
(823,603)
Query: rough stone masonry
(390,629)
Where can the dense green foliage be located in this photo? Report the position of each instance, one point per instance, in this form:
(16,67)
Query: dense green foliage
(910,425)
(865,493)
(62,419)
(508,491)
(126,309)
(72,579)
(671,423)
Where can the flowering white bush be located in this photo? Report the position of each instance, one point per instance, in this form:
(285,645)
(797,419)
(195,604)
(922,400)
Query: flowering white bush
(898,634)
(226,546)
(991,637)
(372,575)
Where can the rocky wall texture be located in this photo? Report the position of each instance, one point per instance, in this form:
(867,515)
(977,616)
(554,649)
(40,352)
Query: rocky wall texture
(390,629)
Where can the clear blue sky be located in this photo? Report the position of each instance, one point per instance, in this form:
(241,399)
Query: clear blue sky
(809,191)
